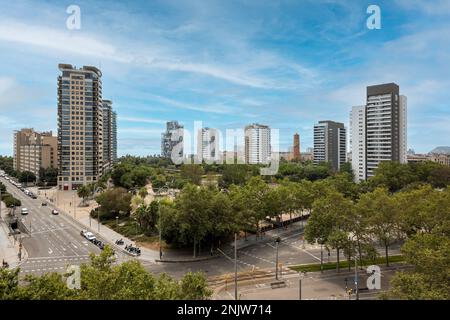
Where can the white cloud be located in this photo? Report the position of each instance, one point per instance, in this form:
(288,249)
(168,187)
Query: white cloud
(85,44)
(435,7)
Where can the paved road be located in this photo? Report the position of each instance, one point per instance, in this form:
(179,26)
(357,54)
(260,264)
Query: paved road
(291,251)
(315,286)
(55,240)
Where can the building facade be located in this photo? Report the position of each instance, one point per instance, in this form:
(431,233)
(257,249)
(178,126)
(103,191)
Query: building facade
(34,150)
(358,142)
(257,144)
(385,126)
(208,145)
(440,158)
(109,135)
(330,143)
(296,148)
(80,126)
(171,138)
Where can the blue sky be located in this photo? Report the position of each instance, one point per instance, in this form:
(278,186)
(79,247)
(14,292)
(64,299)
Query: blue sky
(228,63)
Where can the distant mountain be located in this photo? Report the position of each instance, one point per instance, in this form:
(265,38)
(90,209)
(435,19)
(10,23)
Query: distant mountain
(445,150)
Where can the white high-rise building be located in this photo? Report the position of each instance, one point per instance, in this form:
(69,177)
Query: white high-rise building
(358,142)
(403,129)
(208,147)
(257,144)
(378,130)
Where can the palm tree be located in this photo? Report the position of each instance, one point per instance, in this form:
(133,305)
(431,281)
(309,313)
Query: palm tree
(83,192)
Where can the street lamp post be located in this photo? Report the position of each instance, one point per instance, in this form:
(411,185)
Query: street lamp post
(277,241)
(98,220)
(356,279)
(356,271)
(301,274)
(235,267)
(321,257)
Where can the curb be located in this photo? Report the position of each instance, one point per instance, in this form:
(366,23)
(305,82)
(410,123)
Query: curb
(187,260)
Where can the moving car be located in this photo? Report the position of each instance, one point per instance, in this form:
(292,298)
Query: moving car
(55,212)
(24,211)
(88,235)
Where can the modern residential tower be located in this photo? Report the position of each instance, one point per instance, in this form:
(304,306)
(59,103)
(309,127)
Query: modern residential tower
(172,137)
(109,135)
(358,142)
(296,149)
(330,144)
(378,130)
(80,126)
(208,147)
(257,144)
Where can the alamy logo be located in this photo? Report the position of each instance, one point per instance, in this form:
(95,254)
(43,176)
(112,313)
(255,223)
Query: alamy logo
(74,278)
(374,20)
(73,22)
(209,145)
(374,278)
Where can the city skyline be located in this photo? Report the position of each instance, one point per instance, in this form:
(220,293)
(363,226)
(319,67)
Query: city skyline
(280,69)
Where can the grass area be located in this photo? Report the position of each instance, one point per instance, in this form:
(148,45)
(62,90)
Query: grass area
(130,229)
(126,227)
(344,264)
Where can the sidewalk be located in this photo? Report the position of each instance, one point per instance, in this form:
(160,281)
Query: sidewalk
(271,235)
(83,218)
(9,249)
(149,255)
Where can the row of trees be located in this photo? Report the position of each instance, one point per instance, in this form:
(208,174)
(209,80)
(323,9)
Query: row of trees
(206,215)
(420,216)
(46,176)
(7,165)
(103,279)
(7,198)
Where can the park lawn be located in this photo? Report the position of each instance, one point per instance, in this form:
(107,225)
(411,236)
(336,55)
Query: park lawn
(130,229)
(344,264)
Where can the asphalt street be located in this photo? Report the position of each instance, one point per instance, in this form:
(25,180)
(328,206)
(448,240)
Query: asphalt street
(258,256)
(314,286)
(54,242)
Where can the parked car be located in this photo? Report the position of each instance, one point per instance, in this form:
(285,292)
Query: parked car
(44,204)
(24,211)
(88,235)
(55,212)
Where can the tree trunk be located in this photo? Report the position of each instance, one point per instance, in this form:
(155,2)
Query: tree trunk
(194,247)
(360,253)
(387,255)
(349,263)
(337,265)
